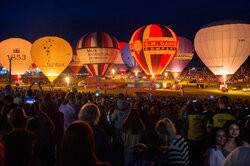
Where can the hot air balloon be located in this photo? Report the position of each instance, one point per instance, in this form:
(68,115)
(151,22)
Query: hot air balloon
(118,63)
(51,55)
(127,57)
(18,50)
(153,47)
(223,46)
(97,51)
(129,60)
(183,56)
(75,64)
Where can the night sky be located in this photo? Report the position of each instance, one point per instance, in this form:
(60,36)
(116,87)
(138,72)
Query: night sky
(70,19)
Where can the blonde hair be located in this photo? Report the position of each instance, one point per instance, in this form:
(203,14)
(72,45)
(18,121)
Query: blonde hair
(90,113)
(166,127)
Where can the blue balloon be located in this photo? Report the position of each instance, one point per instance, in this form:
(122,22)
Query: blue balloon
(127,57)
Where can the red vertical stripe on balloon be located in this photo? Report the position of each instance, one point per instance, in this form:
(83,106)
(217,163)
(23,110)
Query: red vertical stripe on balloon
(102,67)
(155,31)
(104,40)
(164,61)
(93,69)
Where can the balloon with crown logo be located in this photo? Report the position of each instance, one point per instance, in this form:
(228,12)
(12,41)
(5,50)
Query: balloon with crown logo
(18,50)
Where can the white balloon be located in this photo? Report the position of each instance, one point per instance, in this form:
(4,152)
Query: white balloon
(223,46)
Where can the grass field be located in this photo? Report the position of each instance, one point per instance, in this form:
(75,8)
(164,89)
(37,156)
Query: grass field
(189,90)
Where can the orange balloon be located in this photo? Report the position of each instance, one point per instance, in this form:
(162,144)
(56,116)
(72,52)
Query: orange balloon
(51,55)
(19,51)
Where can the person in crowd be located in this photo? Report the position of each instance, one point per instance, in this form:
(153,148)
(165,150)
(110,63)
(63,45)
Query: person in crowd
(78,146)
(119,115)
(7,90)
(219,118)
(18,100)
(7,107)
(240,155)
(234,138)
(174,151)
(214,155)
(2,154)
(19,143)
(30,94)
(141,155)
(90,113)
(132,130)
(196,132)
(69,109)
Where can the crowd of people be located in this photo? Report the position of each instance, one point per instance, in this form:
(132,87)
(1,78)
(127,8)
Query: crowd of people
(50,128)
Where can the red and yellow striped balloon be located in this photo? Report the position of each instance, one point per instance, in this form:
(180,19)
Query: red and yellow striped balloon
(97,51)
(153,47)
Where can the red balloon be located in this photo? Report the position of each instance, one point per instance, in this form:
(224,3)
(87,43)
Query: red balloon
(153,47)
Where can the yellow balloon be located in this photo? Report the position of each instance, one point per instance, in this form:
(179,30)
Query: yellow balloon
(19,51)
(51,55)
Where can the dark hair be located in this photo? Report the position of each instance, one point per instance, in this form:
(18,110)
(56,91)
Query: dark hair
(8,99)
(224,100)
(17,118)
(133,122)
(47,97)
(78,145)
(121,96)
(238,140)
(8,87)
(212,137)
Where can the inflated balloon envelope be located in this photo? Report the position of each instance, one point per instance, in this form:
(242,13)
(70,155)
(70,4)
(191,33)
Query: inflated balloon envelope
(18,50)
(153,47)
(223,46)
(51,55)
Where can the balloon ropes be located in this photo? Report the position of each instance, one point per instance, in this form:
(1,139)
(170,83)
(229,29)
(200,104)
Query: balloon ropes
(223,46)
(18,50)
(153,47)
(51,55)
(97,52)
(183,56)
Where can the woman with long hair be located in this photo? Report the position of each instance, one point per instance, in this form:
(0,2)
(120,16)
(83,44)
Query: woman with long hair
(174,149)
(78,146)
(132,130)
(234,139)
(214,155)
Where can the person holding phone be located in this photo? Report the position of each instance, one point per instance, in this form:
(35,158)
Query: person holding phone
(29,93)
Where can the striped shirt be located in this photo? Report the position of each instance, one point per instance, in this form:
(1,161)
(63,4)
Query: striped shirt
(177,153)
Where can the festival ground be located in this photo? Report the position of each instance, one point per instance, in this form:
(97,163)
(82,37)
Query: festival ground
(190,90)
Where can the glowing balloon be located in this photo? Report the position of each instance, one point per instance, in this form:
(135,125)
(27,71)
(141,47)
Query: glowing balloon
(97,52)
(19,51)
(223,46)
(127,57)
(51,55)
(183,56)
(153,47)
(75,64)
